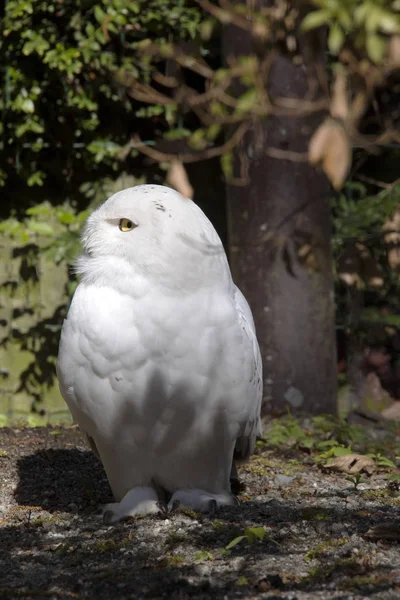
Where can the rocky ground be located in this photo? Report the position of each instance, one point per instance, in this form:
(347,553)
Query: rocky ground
(300,532)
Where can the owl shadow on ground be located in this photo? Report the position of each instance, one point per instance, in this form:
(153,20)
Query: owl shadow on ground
(69,480)
(62,480)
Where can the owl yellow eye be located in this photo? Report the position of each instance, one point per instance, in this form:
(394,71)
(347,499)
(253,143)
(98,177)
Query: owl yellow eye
(126,225)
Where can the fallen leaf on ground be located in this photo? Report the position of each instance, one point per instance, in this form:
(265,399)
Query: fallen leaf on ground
(384,531)
(352,463)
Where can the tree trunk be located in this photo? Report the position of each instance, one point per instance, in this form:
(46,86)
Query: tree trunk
(279,244)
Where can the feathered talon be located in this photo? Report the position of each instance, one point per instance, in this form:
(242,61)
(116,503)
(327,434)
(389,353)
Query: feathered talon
(175,506)
(163,508)
(108,517)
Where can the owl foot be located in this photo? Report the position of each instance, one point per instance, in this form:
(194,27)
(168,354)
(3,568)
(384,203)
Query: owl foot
(201,501)
(163,506)
(138,501)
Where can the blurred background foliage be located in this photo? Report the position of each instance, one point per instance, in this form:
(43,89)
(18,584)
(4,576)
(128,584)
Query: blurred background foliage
(74,90)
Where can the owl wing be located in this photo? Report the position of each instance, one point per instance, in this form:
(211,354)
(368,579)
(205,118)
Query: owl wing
(252,428)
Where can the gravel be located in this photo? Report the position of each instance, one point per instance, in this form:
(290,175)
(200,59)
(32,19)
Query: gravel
(321,537)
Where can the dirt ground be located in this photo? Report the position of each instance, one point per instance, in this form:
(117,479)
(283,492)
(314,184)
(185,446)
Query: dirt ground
(322,537)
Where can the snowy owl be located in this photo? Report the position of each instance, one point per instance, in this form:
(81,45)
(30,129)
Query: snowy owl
(158,360)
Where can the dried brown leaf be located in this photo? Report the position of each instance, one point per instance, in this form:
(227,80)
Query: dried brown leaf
(370,269)
(358,107)
(394,258)
(178,179)
(392,239)
(351,464)
(339,108)
(319,142)
(357,266)
(374,397)
(394,52)
(392,412)
(392,226)
(330,146)
(349,268)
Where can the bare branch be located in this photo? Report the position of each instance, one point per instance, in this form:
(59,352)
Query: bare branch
(372,143)
(165,80)
(382,184)
(189,158)
(298,107)
(197,65)
(287,155)
(216,93)
(142,91)
(226,14)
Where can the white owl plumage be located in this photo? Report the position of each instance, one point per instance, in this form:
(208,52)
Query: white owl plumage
(158,360)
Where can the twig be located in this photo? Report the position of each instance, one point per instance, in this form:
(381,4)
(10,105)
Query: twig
(184,60)
(382,184)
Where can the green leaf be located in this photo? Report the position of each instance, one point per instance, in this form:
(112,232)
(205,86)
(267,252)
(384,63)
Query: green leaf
(339,451)
(207,28)
(99,14)
(235,542)
(28,124)
(67,218)
(345,18)
(227,164)
(376,46)
(314,19)
(177,133)
(3,177)
(213,131)
(254,533)
(197,140)
(248,100)
(204,555)
(27,106)
(336,39)
(40,210)
(373,19)
(389,23)
(308,443)
(220,75)
(383,461)
(40,227)
(36,179)
(360,13)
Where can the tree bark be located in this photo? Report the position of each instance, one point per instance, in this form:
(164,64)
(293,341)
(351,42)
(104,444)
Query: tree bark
(279,231)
